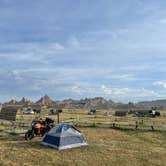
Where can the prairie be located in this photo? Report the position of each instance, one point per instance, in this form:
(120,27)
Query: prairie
(107,146)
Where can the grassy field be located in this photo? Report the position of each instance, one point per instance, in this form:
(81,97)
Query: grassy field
(81,118)
(106,146)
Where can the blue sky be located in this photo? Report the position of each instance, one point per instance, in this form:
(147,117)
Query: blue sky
(80,48)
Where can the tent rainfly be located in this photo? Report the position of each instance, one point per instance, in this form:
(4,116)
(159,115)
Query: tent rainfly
(64,136)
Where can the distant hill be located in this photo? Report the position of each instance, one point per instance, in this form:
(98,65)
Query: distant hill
(155,103)
(11,102)
(24,101)
(89,103)
(94,103)
(97,103)
(45,101)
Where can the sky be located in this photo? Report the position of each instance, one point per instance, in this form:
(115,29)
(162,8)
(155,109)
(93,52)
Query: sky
(115,49)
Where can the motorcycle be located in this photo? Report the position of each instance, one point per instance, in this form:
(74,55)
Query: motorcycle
(46,125)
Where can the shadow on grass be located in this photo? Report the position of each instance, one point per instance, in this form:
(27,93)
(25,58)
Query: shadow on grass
(35,145)
(11,137)
(22,144)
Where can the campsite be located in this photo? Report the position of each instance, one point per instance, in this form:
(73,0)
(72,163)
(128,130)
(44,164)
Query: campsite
(82,82)
(107,145)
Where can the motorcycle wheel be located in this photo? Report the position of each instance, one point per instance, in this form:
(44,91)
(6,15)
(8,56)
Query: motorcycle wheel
(29,135)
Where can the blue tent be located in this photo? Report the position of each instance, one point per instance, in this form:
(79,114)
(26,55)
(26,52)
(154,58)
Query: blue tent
(64,136)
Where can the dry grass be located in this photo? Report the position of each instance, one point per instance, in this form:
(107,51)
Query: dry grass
(106,146)
(82,115)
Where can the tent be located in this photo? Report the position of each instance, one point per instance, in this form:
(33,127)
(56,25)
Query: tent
(64,136)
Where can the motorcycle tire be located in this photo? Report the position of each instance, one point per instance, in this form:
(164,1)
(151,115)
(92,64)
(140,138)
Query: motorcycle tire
(29,135)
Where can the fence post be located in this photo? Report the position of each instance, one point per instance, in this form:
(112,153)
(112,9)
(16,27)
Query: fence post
(136,125)
(58,116)
(113,125)
(152,128)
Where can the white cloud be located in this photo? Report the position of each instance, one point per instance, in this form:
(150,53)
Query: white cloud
(77,90)
(124,77)
(160,83)
(127,92)
(30,52)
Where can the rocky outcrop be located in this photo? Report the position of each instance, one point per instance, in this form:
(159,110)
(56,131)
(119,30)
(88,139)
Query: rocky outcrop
(96,103)
(45,101)
(87,103)
(24,102)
